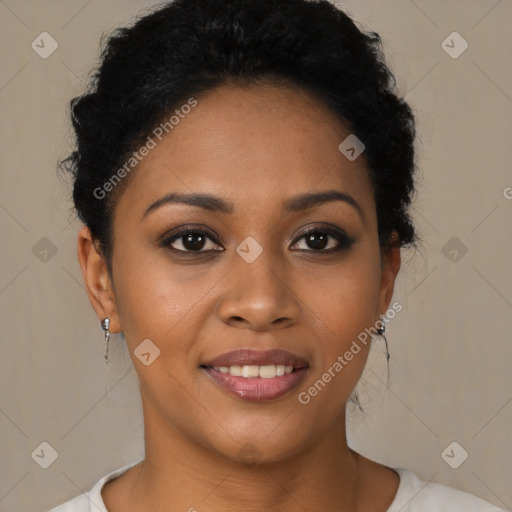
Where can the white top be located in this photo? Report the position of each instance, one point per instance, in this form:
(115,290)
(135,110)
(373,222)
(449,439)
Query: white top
(413,495)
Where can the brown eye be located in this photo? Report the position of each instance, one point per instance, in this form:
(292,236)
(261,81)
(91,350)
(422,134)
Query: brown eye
(191,240)
(324,240)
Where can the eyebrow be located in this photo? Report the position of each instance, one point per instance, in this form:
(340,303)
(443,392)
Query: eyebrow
(217,204)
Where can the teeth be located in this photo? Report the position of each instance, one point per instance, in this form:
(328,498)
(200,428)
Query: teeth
(250,371)
(234,370)
(280,369)
(268,371)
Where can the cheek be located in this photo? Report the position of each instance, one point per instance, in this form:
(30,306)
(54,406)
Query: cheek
(164,302)
(345,297)
(343,304)
(151,293)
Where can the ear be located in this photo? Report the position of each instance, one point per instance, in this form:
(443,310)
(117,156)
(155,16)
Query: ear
(390,265)
(96,279)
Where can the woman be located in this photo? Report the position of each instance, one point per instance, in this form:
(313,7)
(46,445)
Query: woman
(244,171)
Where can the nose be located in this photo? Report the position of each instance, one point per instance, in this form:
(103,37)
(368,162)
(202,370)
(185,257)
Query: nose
(259,295)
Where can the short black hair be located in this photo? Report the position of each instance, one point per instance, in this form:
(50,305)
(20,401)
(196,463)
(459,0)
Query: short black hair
(186,47)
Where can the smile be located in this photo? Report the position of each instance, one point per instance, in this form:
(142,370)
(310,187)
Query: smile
(268,371)
(257,375)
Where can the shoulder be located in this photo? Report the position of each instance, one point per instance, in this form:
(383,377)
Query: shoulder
(92,501)
(415,495)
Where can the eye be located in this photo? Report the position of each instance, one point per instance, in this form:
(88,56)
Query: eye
(318,240)
(189,239)
(196,240)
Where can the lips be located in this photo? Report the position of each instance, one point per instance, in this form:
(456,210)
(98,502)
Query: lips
(246,383)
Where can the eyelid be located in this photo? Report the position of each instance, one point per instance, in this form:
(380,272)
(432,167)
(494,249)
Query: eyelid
(182,230)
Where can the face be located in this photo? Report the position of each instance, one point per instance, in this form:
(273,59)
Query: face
(281,281)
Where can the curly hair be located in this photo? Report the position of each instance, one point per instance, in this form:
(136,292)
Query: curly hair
(187,47)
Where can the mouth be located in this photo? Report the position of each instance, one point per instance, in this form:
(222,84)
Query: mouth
(257,375)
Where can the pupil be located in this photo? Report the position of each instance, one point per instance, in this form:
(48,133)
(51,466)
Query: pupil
(318,244)
(191,241)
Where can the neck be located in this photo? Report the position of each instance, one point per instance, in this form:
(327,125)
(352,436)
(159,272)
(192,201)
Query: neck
(180,474)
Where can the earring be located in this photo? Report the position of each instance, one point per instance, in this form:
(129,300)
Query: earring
(380,331)
(105,323)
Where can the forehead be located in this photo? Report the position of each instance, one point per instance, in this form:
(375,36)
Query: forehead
(254,145)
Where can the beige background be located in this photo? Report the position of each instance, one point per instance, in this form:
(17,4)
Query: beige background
(451,347)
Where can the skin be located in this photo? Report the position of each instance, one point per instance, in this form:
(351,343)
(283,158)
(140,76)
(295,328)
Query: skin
(255,147)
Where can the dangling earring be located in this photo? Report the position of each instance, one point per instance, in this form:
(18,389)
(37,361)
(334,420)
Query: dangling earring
(380,331)
(105,323)
(354,397)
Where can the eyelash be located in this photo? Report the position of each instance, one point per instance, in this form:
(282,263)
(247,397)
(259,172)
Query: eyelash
(344,241)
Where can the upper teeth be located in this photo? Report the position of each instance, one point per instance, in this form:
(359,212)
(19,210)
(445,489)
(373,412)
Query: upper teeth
(268,371)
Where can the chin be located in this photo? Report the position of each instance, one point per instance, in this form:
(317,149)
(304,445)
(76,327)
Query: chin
(251,450)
